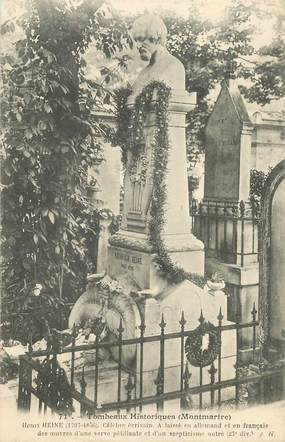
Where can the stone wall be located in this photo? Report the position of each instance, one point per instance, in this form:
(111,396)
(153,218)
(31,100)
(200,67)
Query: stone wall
(268,140)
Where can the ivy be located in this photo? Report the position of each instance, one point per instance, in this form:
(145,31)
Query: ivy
(121,135)
(257,186)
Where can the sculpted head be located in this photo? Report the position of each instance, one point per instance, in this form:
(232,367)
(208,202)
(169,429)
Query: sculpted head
(149,31)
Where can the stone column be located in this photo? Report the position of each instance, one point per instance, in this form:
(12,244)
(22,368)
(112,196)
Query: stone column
(107,176)
(130,251)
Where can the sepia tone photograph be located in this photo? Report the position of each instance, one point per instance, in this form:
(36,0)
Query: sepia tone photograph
(142,220)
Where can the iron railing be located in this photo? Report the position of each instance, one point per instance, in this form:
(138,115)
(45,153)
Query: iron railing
(229,232)
(42,376)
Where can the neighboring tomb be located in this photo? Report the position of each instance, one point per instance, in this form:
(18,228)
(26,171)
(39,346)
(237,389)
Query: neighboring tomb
(226,220)
(228,143)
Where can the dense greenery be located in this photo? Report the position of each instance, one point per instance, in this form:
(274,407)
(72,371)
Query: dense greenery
(50,139)
(257,182)
(212,52)
(268,77)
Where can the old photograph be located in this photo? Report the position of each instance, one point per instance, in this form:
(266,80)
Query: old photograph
(142,220)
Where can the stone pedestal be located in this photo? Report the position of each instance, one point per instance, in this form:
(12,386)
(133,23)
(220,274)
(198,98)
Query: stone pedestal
(130,250)
(242,287)
(130,255)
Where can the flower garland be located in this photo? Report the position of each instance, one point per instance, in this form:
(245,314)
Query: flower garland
(134,140)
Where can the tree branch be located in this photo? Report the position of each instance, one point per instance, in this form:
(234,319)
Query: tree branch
(46,9)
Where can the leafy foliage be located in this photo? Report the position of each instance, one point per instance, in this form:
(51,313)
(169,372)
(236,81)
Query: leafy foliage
(50,139)
(257,182)
(37,313)
(121,135)
(268,76)
(8,370)
(210,52)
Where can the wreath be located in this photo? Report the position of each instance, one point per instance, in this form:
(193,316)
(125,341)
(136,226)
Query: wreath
(197,356)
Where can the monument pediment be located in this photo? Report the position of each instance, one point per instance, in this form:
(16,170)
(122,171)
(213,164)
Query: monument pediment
(229,98)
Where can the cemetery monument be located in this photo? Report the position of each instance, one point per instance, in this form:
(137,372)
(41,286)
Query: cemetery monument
(149,277)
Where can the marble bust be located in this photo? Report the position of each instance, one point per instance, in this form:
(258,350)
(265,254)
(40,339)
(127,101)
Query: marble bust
(149,33)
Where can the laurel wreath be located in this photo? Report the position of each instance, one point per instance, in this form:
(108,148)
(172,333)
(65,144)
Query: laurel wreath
(193,345)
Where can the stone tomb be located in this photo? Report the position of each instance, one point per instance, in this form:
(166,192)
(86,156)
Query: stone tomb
(228,148)
(227,178)
(130,255)
(231,243)
(131,261)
